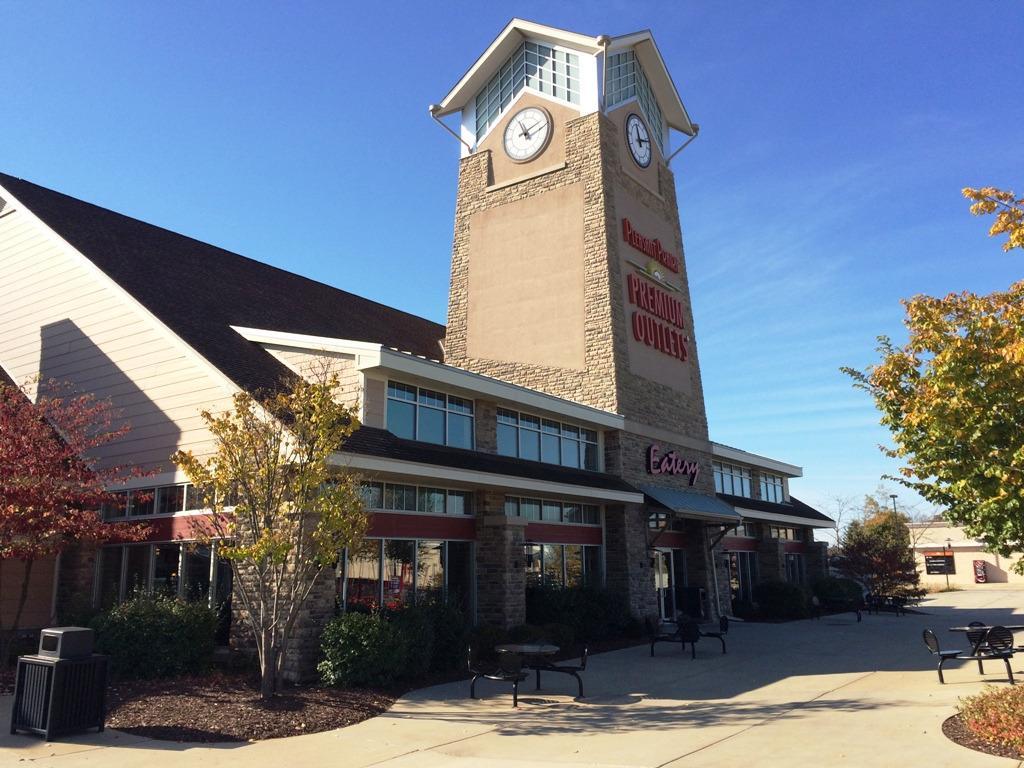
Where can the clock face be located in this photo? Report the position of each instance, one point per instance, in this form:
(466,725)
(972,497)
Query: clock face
(527,134)
(639,140)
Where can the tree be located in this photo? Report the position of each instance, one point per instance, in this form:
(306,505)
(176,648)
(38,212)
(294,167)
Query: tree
(1009,211)
(952,398)
(281,515)
(51,484)
(877,553)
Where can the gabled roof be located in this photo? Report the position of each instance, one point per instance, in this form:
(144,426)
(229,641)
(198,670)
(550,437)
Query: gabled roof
(518,30)
(199,291)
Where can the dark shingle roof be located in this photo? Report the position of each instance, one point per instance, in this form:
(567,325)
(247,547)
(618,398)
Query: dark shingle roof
(793,508)
(371,441)
(199,290)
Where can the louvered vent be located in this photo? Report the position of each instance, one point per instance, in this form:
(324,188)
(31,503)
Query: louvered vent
(3,204)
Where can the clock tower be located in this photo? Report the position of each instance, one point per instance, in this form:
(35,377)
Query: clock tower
(568,272)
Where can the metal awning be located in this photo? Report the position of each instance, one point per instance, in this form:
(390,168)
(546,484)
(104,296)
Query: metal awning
(692,504)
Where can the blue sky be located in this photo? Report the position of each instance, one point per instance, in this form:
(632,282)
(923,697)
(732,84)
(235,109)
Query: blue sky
(823,188)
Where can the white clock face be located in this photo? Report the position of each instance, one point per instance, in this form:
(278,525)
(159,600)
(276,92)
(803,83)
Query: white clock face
(527,133)
(639,140)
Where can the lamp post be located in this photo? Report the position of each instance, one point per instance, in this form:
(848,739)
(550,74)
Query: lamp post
(893,497)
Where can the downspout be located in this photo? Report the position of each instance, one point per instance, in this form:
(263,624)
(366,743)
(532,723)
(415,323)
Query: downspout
(434,108)
(603,41)
(714,566)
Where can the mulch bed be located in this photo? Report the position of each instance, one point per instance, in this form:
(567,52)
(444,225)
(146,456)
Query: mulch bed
(956,730)
(227,707)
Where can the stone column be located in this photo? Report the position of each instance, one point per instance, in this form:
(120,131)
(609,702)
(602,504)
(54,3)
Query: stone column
(816,560)
(771,560)
(699,568)
(627,560)
(500,567)
(486,421)
(75,578)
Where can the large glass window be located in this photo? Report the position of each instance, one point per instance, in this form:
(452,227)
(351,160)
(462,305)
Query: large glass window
(362,575)
(794,568)
(429,416)
(742,575)
(785,532)
(166,563)
(625,79)
(533,65)
(533,438)
(412,570)
(110,576)
(569,565)
(197,573)
(399,558)
(772,488)
(731,479)
(136,574)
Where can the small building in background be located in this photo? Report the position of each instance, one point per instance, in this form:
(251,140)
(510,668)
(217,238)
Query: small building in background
(942,550)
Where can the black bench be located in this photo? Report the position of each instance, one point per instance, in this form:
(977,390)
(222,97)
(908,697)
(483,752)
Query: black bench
(878,603)
(541,665)
(986,645)
(684,632)
(836,605)
(507,669)
(723,630)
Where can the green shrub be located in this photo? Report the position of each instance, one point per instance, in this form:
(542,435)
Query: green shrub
(154,636)
(451,634)
(996,715)
(362,649)
(561,635)
(830,589)
(591,614)
(781,600)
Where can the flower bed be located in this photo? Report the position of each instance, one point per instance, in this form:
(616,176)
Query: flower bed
(992,721)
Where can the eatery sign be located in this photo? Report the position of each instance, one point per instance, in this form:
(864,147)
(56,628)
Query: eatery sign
(938,563)
(670,463)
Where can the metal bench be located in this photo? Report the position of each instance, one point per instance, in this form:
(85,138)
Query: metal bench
(723,630)
(685,632)
(507,669)
(541,665)
(986,645)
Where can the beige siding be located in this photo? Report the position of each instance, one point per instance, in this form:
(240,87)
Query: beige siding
(315,363)
(61,319)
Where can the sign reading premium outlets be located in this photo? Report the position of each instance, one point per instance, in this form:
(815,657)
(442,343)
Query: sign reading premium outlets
(658,320)
(670,463)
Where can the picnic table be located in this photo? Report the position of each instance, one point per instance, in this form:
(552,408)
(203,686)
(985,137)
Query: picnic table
(981,635)
(537,656)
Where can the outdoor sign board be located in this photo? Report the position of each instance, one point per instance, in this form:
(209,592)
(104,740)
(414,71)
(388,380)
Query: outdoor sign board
(937,564)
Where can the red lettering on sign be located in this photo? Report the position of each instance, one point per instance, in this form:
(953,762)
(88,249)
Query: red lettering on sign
(649,247)
(670,463)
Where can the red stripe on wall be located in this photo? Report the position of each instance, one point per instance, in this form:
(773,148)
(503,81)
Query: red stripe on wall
(385,525)
(672,539)
(739,544)
(794,546)
(187,527)
(553,533)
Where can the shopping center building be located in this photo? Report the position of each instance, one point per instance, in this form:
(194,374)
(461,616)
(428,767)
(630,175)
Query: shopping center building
(553,431)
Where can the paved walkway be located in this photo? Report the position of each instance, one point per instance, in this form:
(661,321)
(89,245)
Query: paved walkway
(807,693)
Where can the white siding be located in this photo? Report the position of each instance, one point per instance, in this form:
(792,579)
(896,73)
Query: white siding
(60,319)
(313,363)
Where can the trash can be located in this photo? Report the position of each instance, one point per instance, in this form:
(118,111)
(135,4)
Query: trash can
(62,689)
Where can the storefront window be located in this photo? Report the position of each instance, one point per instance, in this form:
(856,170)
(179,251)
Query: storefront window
(429,570)
(794,568)
(136,575)
(573,565)
(197,573)
(742,575)
(534,560)
(165,568)
(399,557)
(110,576)
(552,555)
(362,585)
(592,566)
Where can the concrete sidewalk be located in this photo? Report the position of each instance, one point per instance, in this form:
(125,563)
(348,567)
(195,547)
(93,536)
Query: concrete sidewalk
(799,694)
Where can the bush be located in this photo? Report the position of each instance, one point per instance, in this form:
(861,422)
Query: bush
(561,635)
(781,600)
(591,614)
(378,649)
(996,715)
(484,637)
(153,636)
(362,649)
(830,589)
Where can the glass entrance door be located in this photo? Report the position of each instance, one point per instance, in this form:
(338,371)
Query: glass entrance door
(664,583)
